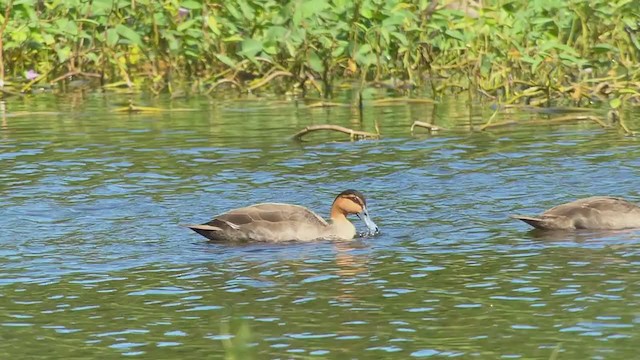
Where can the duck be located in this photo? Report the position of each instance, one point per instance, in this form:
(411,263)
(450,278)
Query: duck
(591,213)
(278,222)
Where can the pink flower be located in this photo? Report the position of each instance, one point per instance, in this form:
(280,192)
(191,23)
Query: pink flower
(31,74)
(183,13)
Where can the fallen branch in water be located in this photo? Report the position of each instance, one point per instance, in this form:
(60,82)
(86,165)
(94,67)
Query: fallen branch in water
(401,101)
(353,134)
(268,78)
(614,117)
(130,109)
(429,126)
(557,120)
(324,104)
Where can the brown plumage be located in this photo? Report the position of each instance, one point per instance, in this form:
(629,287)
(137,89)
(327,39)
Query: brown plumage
(275,222)
(594,213)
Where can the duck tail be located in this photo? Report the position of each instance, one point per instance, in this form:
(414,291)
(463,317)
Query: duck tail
(195,227)
(537,223)
(208,231)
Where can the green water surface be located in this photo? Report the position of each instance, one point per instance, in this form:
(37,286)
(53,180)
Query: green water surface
(94,264)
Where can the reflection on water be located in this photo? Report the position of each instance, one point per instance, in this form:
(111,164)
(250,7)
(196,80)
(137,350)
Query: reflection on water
(94,263)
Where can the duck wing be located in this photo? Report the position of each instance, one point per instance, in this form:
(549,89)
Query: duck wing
(261,222)
(597,212)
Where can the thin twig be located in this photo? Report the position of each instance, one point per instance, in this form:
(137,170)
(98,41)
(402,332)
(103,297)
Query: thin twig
(267,79)
(223,81)
(488,123)
(429,126)
(353,134)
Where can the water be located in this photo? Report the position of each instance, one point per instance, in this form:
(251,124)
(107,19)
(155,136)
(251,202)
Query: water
(94,264)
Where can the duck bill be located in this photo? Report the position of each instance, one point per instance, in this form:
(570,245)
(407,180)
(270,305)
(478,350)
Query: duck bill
(364,216)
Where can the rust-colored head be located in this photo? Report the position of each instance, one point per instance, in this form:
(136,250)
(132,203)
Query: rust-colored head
(352,202)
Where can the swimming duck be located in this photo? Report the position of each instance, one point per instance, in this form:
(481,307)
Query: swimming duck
(594,213)
(275,222)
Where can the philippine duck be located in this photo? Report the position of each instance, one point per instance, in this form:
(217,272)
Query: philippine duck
(593,213)
(275,222)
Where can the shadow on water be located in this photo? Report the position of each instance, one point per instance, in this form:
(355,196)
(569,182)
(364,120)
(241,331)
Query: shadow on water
(581,236)
(94,263)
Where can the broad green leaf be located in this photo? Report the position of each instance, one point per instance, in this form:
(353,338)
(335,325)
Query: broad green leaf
(185,25)
(226,60)
(615,103)
(251,47)
(247,10)
(212,22)
(536,63)
(276,33)
(191,4)
(129,34)
(604,48)
(232,10)
(456,34)
(112,37)
(101,7)
(315,63)
(233,38)
(48,39)
(365,56)
(63,54)
(311,7)
(89,21)
(541,21)
(394,20)
(339,50)
(400,36)
(366,10)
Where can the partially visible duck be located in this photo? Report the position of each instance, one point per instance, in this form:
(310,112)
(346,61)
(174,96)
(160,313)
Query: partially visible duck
(593,213)
(275,222)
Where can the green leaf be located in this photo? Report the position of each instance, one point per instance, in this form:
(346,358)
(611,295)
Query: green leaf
(174,46)
(63,54)
(455,34)
(401,37)
(604,48)
(365,55)
(212,22)
(233,38)
(536,63)
(129,34)
(48,39)
(251,47)
(191,4)
(112,37)
(226,60)
(312,7)
(615,103)
(540,21)
(315,63)
(276,33)
(89,21)
(232,10)
(394,20)
(185,25)
(247,11)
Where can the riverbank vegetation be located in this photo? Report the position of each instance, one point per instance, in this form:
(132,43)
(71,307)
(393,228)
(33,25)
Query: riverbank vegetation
(534,52)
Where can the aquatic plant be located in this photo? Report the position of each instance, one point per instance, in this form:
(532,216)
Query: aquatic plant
(512,51)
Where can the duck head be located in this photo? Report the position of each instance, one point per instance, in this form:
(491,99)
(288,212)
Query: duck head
(352,202)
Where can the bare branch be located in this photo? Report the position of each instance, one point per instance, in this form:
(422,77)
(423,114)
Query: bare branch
(353,134)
